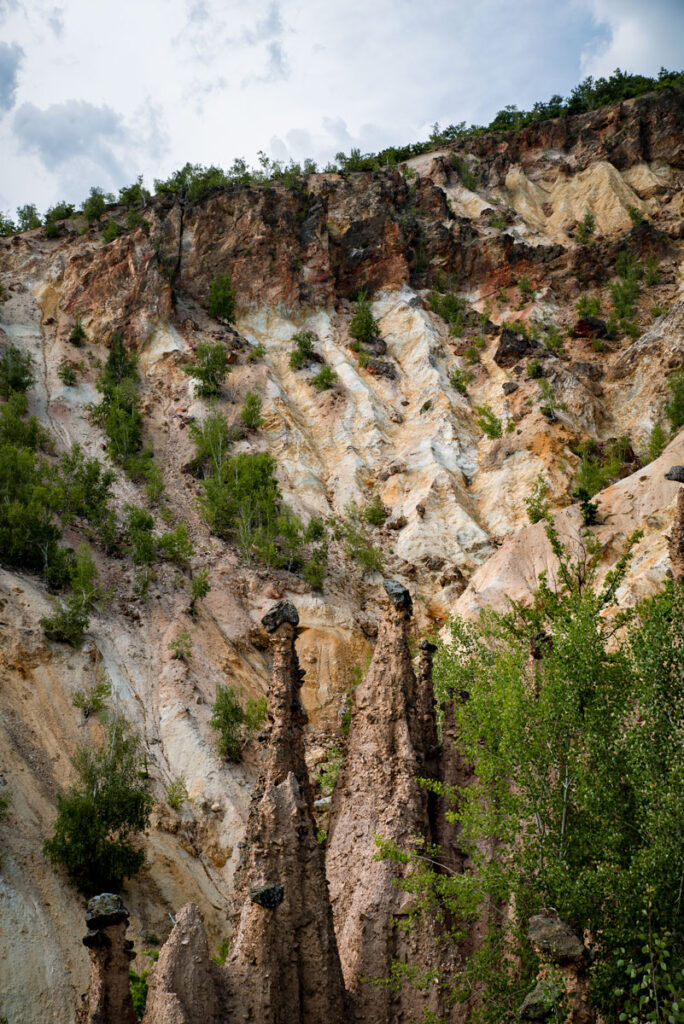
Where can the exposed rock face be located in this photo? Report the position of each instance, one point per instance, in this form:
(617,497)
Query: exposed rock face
(186,986)
(676,538)
(109,998)
(284,966)
(564,959)
(377,795)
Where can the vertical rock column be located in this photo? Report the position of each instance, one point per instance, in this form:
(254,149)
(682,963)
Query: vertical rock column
(377,795)
(109,997)
(284,967)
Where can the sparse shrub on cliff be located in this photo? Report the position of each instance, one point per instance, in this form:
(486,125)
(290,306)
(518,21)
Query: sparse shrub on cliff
(315,570)
(70,619)
(651,271)
(462,168)
(586,227)
(488,422)
(588,508)
(78,334)
(222,298)
(375,513)
(16,371)
(460,379)
(111,231)
(176,545)
(177,793)
(96,204)
(234,723)
(210,368)
(588,305)
(212,437)
(450,306)
(199,588)
(55,214)
(17,430)
(324,379)
(357,544)
(7,225)
(674,409)
(656,443)
(598,469)
(328,771)
(135,195)
(94,701)
(104,811)
(303,352)
(536,504)
(250,414)
(363,326)
(181,645)
(67,374)
(28,217)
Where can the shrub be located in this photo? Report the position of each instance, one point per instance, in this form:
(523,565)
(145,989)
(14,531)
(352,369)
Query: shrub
(100,816)
(233,723)
(177,793)
(78,334)
(29,500)
(210,368)
(363,327)
(256,352)
(28,217)
(303,351)
(499,222)
(657,442)
(358,546)
(139,985)
(70,619)
(314,571)
(596,471)
(460,379)
(324,379)
(181,646)
(67,374)
(212,438)
(535,369)
(135,194)
(111,231)
(674,410)
(16,371)
(222,298)
(588,508)
(85,489)
(315,530)
(199,588)
(635,215)
(460,165)
(118,414)
(176,546)
(451,307)
(488,422)
(536,504)
(20,432)
(374,513)
(472,355)
(651,270)
(525,287)
(586,227)
(54,215)
(7,225)
(142,543)
(588,305)
(94,700)
(328,772)
(250,413)
(96,204)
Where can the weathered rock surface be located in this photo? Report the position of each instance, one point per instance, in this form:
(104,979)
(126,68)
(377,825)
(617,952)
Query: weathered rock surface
(108,1000)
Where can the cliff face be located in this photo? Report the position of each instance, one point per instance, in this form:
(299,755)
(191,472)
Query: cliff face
(456,530)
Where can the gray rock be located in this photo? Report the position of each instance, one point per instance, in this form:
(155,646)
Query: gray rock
(513,347)
(554,940)
(283,611)
(425,645)
(398,594)
(269,896)
(509,387)
(675,473)
(539,1003)
(105,910)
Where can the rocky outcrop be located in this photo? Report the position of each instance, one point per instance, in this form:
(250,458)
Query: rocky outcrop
(109,999)
(564,959)
(284,966)
(676,539)
(377,795)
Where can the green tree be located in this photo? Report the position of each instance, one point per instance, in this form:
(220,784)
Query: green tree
(28,217)
(324,379)
(104,811)
(303,351)
(536,504)
(16,371)
(222,298)
(235,723)
(96,204)
(674,410)
(69,620)
(210,368)
(250,414)
(363,326)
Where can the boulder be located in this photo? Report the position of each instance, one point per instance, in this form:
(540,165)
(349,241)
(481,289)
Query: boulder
(540,1002)
(555,941)
(269,896)
(513,347)
(283,611)
(675,473)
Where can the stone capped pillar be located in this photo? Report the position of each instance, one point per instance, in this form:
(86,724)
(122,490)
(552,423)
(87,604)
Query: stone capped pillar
(109,998)
(284,967)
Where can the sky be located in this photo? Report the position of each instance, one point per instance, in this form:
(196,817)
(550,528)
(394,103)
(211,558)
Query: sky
(96,92)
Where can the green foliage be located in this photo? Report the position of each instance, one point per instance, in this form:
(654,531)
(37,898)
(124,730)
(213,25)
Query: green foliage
(256,352)
(135,195)
(536,504)
(597,470)
(357,544)
(328,771)
(657,442)
(462,168)
(181,645)
(94,700)
(324,379)
(111,231)
(303,352)
(176,545)
(7,225)
(315,570)
(222,952)
(85,492)
(210,368)
(375,513)
(67,374)
(535,369)
(96,204)
(16,430)
(28,217)
(488,422)
(142,542)
(199,588)
(451,307)
(78,334)
(100,816)
(135,220)
(212,438)
(5,801)
(119,411)
(250,414)
(588,305)
(16,371)
(233,723)
(177,793)
(363,326)
(222,298)
(60,211)
(139,985)
(674,409)
(499,222)
(193,182)
(29,502)
(635,215)
(588,508)
(525,287)
(651,270)
(460,379)
(70,619)
(586,227)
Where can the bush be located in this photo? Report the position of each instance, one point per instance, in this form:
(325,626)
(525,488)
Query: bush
(181,646)
(96,204)
(118,414)
(535,369)
(94,700)
(588,305)
(363,327)
(176,546)
(67,374)
(29,501)
(70,619)
(60,211)
(7,225)
(460,379)
(142,543)
(233,723)
(525,287)
(460,165)
(210,368)
(596,471)
(15,430)
(657,442)
(586,227)
(177,793)
(374,513)
(251,411)
(324,379)
(212,438)
(635,215)
(358,546)
(588,508)
(135,195)
(199,588)
(78,334)
(674,410)
(315,570)
(28,217)
(100,816)
(651,271)
(111,231)
(536,504)
(16,371)
(222,298)
(451,307)
(488,422)
(86,488)
(303,351)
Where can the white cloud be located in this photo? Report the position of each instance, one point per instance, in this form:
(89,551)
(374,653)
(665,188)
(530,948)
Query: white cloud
(11,56)
(640,36)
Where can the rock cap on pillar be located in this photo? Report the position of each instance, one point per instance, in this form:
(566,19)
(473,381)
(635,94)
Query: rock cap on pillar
(398,595)
(427,646)
(280,613)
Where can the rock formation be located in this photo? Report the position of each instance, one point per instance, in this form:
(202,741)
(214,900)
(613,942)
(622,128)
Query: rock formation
(377,795)
(108,1000)
(564,959)
(284,966)
(676,538)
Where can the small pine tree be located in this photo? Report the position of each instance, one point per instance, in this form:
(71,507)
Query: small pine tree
(222,298)
(251,411)
(363,326)
(210,369)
